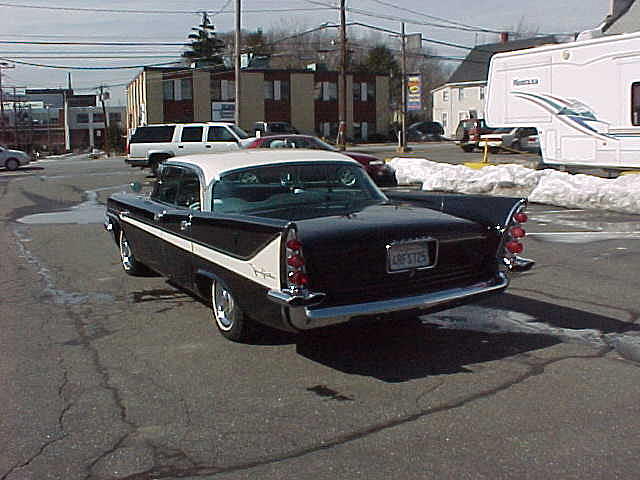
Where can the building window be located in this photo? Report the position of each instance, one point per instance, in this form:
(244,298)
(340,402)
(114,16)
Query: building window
(361,131)
(228,89)
(277,90)
(444,120)
(98,117)
(82,118)
(168,89)
(635,103)
(460,94)
(462,116)
(326,91)
(215,88)
(481,93)
(364,92)
(186,89)
(445,95)
(328,129)
(115,117)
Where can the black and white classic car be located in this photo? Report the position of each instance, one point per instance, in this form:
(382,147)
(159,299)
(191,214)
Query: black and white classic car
(301,239)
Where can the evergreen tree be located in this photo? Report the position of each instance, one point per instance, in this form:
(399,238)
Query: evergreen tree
(205,47)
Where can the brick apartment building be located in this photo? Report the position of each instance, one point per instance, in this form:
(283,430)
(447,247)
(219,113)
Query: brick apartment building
(306,99)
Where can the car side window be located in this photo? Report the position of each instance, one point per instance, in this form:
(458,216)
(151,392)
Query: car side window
(191,134)
(189,191)
(220,134)
(166,188)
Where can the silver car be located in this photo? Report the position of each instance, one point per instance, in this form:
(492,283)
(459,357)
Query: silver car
(13,159)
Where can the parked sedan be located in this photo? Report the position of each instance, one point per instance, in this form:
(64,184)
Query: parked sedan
(380,172)
(13,159)
(520,138)
(425,132)
(303,239)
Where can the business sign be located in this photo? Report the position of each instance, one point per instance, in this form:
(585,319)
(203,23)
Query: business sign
(414,93)
(223,111)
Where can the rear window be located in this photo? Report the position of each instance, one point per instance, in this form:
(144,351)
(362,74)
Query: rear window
(159,134)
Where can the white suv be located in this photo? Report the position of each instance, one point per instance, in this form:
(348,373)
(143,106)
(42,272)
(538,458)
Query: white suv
(151,145)
(12,159)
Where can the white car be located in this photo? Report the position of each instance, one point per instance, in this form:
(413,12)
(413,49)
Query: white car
(151,145)
(13,159)
(521,138)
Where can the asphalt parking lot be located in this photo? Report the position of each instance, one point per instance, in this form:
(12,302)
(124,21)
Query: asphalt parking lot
(104,376)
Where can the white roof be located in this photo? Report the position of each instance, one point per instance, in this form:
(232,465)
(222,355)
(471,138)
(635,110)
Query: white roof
(215,164)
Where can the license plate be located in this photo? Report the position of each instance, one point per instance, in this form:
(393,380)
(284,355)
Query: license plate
(409,255)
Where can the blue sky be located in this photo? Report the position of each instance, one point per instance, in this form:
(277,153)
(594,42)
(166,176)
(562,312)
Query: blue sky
(59,24)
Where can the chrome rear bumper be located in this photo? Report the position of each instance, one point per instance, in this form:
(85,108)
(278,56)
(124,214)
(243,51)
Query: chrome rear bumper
(308,317)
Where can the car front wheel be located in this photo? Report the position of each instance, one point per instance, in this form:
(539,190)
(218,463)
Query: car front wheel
(11,164)
(229,318)
(129,263)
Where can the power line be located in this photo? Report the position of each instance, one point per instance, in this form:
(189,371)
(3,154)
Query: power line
(55,56)
(63,67)
(102,10)
(111,44)
(432,17)
(160,12)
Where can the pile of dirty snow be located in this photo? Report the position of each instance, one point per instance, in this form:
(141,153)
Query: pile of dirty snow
(549,186)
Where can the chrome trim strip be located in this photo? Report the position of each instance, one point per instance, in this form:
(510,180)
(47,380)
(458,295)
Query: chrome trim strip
(306,318)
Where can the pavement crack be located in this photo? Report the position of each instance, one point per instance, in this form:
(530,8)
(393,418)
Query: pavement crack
(534,368)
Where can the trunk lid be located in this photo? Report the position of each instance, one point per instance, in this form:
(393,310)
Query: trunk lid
(346,256)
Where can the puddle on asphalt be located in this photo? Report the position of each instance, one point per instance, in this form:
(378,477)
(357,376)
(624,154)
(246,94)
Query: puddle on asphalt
(488,320)
(583,237)
(603,227)
(89,211)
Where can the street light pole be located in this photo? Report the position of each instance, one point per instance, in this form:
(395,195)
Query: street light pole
(342,115)
(403,134)
(237,64)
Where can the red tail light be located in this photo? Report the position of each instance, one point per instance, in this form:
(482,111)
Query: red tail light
(514,246)
(513,236)
(295,261)
(520,217)
(297,277)
(517,232)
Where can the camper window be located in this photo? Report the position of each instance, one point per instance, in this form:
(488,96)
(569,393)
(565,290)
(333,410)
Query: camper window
(635,103)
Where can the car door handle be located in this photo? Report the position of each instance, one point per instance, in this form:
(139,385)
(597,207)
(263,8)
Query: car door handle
(208,146)
(158,215)
(185,225)
(180,146)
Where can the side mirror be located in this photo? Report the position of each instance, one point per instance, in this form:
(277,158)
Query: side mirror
(136,187)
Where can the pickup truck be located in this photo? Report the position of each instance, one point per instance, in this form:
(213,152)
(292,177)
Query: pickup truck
(150,145)
(303,239)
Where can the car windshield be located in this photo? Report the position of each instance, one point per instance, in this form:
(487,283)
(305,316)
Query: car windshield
(242,135)
(295,190)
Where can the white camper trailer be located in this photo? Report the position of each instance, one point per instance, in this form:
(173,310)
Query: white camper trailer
(583,97)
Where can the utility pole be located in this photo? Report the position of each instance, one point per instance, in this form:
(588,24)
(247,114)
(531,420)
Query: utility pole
(15,119)
(403,137)
(2,65)
(342,114)
(67,131)
(237,64)
(107,142)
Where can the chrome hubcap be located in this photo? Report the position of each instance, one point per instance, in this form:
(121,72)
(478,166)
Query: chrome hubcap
(223,306)
(125,253)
